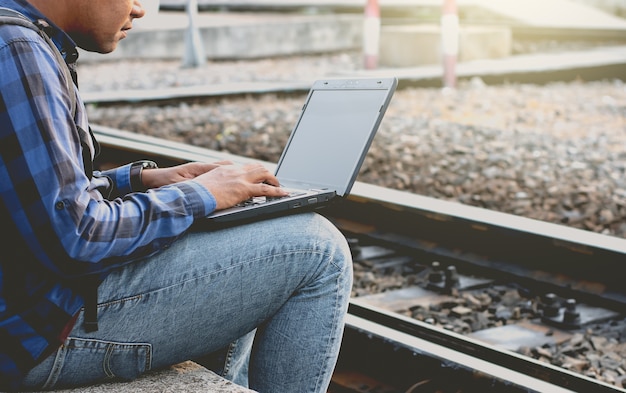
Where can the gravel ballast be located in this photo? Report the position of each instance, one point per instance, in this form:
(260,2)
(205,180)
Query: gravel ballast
(554,152)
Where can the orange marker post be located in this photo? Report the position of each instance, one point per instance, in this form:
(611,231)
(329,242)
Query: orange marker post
(449,42)
(371,34)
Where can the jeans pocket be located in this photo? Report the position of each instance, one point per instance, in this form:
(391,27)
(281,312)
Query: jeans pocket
(84,361)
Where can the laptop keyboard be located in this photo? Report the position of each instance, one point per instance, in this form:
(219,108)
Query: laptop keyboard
(261,199)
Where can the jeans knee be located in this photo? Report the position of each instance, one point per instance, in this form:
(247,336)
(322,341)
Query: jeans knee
(341,255)
(343,259)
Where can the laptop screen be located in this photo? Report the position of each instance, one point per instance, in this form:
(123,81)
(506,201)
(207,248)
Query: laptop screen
(331,138)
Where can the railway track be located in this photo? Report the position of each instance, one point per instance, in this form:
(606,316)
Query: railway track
(451,298)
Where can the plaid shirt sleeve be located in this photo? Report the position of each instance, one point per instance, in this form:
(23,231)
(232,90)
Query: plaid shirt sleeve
(53,206)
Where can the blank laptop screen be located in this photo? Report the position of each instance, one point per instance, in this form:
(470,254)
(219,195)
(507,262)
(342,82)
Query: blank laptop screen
(330,138)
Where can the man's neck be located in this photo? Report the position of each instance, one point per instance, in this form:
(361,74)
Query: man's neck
(55,10)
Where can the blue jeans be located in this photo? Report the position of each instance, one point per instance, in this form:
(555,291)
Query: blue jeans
(288,280)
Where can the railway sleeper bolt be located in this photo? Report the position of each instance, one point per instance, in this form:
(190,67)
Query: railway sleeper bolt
(452,278)
(436,275)
(564,315)
(571,314)
(551,306)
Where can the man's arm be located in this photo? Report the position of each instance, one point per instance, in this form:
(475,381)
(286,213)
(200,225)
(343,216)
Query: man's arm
(69,226)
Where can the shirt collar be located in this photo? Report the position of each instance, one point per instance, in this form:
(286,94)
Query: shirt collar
(64,42)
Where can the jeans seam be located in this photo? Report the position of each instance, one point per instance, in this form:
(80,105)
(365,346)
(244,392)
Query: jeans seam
(228,359)
(335,323)
(57,366)
(106,367)
(148,365)
(121,301)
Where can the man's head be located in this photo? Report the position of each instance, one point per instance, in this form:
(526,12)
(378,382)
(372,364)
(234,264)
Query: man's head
(95,25)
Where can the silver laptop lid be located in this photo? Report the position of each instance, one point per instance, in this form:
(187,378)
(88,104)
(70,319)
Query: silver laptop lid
(334,132)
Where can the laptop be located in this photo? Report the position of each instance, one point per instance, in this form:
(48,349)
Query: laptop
(325,150)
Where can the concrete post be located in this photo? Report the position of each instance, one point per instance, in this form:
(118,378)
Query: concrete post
(449,42)
(194,50)
(371,34)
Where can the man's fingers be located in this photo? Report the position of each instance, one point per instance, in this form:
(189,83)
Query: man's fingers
(259,174)
(265,183)
(231,184)
(269,190)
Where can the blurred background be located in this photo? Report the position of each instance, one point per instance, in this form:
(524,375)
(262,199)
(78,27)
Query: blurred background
(509,105)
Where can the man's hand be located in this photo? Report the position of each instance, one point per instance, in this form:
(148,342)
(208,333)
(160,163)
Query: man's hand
(232,184)
(155,178)
(229,184)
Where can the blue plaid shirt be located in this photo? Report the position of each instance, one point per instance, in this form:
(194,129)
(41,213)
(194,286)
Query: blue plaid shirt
(58,224)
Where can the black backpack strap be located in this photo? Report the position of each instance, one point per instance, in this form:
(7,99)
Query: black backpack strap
(12,17)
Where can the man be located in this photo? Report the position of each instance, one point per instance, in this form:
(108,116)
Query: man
(124,239)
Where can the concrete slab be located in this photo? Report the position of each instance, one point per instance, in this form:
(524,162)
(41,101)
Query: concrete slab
(553,14)
(403,299)
(590,64)
(186,377)
(541,13)
(416,45)
(238,36)
(513,337)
